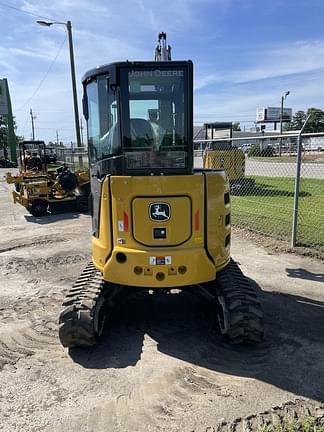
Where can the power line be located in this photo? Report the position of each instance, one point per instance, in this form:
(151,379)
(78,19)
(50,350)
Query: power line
(52,121)
(25,12)
(24,127)
(212,114)
(54,127)
(45,76)
(220,118)
(51,111)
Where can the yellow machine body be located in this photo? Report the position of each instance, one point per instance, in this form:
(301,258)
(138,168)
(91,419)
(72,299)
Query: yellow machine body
(34,187)
(196,237)
(157,222)
(231,160)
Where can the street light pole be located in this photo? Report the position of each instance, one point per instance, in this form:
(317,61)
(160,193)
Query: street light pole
(68,26)
(281,116)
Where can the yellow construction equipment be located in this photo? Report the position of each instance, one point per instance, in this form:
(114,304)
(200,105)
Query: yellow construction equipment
(221,153)
(39,188)
(157,223)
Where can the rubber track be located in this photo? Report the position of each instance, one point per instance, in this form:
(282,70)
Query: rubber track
(76,322)
(245,315)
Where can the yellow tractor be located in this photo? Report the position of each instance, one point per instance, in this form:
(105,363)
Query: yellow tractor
(157,223)
(221,153)
(40,189)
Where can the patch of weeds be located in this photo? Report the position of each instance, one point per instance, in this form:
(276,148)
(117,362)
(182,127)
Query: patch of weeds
(306,424)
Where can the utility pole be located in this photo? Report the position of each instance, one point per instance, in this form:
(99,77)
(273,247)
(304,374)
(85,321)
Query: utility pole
(68,26)
(32,123)
(81,128)
(57,138)
(74,90)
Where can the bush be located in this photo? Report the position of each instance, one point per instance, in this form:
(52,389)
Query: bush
(255,151)
(268,152)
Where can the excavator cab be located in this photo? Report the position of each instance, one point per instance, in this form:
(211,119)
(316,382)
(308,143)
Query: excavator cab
(140,118)
(157,223)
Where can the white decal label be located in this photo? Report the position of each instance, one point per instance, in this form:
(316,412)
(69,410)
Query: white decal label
(155,73)
(121,226)
(160,260)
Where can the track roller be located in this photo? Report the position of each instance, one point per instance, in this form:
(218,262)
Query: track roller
(82,320)
(240,314)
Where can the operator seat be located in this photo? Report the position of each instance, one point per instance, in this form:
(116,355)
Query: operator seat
(142,134)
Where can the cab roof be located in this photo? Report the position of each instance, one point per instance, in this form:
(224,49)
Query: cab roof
(110,68)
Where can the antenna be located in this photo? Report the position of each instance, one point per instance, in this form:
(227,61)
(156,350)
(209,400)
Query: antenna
(162,50)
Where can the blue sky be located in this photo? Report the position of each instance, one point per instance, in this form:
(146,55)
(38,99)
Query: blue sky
(246,53)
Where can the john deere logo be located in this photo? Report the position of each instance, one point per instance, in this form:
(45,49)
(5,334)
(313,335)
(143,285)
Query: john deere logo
(159,211)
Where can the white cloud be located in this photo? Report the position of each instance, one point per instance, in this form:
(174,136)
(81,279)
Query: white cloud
(29,52)
(297,57)
(206,80)
(229,86)
(61,9)
(239,102)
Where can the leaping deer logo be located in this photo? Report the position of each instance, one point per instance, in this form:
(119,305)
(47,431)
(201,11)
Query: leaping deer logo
(160,211)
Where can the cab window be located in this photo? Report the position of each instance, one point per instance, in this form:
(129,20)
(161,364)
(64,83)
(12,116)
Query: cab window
(155,128)
(103,125)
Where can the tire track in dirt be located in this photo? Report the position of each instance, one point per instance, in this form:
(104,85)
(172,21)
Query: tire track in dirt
(176,326)
(166,396)
(141,407)
(30,242)
(28,327)
(290,411)
(22,265)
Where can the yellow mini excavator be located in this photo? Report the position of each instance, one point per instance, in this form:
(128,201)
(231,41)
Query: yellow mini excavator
(157,222)
(222,153)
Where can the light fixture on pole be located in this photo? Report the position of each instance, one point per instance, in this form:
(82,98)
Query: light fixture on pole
(281,116)
(68,27)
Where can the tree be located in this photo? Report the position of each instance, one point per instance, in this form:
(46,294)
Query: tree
(297,121)
(236,126)
(256,151)
(4,135)
(315,122)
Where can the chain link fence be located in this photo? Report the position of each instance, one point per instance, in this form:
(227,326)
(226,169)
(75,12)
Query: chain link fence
(75,158)
(311,210)
(272,193)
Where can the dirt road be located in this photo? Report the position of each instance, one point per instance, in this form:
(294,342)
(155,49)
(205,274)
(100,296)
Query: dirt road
(162,364)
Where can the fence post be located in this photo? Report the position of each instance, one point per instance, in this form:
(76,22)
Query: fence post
(297,185)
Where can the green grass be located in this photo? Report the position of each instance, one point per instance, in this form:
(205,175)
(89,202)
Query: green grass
(306,157)
(268,207)
(307,424)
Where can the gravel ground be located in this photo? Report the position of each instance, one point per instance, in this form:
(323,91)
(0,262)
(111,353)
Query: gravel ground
(161,364)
